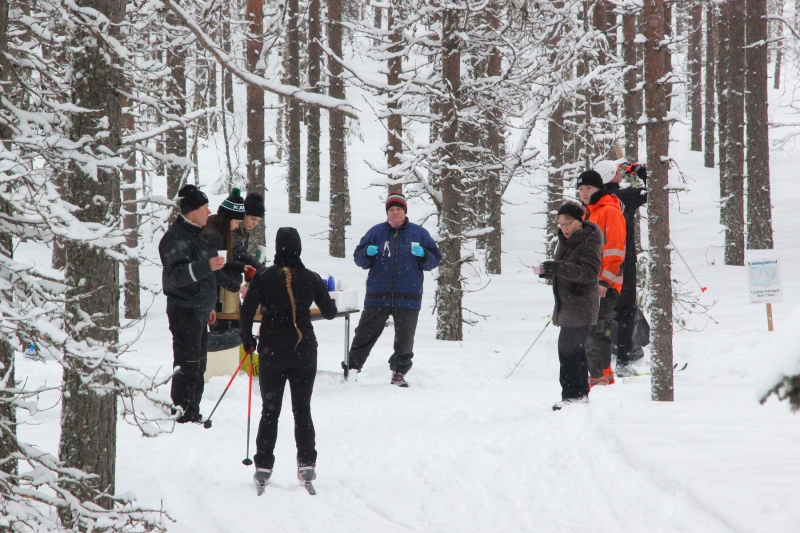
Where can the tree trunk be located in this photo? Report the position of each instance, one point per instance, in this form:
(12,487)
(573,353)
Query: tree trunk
(176,93)
(759,206)
(555,149)
(338,135)
(395,120)
(657,130)
(733,182)
(294,112)
(721,14)
(449,292)
(255,113)
(495,143)
(630,103)
(696,75)
(8,411)
(710,119)
(133,308)
(667,52)
(313,130)
(555,177)
(227,77)
(778,35)
(88,418)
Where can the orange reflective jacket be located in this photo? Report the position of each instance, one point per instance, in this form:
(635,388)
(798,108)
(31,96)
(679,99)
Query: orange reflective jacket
(607,214)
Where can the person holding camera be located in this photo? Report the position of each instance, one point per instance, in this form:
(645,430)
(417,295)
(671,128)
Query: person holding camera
(574,272)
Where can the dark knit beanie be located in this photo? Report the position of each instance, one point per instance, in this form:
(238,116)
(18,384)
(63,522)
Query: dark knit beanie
(191,198)
(233,206)
(254,205)
(591,178)
(396,199)
(571,209)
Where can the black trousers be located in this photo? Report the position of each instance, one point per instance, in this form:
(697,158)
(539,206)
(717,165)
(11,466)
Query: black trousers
(190,354)
(600,338)
(369,329)
(573,376)
(625,316)
(274,372)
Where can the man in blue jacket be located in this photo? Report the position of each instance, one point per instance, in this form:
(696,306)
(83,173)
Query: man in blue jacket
(397,253)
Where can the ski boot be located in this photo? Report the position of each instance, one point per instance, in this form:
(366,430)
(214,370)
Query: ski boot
(261,478)
(306,475)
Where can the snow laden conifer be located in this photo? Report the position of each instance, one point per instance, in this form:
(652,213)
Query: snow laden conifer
(63,151)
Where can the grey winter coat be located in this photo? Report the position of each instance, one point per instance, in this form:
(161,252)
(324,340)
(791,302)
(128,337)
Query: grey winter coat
(577,267)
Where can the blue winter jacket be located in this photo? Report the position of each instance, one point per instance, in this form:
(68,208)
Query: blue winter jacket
(395,275)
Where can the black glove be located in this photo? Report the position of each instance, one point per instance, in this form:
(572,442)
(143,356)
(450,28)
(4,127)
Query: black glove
(250,345)
(549,268)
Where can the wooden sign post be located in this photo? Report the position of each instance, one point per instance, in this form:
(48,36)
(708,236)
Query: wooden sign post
(764,280)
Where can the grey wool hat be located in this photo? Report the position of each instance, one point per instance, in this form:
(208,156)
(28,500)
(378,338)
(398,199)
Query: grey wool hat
(233,206)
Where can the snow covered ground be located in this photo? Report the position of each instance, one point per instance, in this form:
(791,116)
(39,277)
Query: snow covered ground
(464,449)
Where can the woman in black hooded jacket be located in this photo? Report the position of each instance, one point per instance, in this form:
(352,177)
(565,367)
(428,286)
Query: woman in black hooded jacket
(574,272)
(287,349)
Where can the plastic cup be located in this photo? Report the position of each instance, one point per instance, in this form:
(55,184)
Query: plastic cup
(223,254)
(538,269)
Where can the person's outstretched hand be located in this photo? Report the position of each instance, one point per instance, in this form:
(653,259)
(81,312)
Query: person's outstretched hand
(372,250)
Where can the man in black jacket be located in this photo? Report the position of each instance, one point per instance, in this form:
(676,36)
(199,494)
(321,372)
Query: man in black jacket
(626,309)
(191,290)
(254,212)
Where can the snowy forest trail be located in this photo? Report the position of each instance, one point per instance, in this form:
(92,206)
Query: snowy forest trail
(464,449)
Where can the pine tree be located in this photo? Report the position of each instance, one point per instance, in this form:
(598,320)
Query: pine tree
(338,135)
(294,112)
(759,202)
(709,138)
(255,111)
(696,75)
(313,130)
(657,130)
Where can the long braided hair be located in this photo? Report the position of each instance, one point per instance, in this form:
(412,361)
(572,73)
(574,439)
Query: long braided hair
(287,273)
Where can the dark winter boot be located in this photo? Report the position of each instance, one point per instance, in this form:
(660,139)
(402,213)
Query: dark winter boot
(399,380)
(569,401)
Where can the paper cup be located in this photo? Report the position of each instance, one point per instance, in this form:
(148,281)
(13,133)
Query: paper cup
(538,269)
(223,254)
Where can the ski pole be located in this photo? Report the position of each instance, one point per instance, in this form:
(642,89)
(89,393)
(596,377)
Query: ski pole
(531,346)
(207,423)
(247,461)
(702,289)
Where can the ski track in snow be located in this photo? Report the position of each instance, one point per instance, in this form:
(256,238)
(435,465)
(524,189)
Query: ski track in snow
(464,449)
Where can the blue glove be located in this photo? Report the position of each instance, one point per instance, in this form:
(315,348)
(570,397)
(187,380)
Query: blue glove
(418,250)
(372,250)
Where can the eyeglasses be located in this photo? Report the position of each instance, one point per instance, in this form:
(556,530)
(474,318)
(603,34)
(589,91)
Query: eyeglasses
(563,226)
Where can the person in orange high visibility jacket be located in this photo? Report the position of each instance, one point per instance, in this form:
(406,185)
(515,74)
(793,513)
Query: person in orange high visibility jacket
(605,210)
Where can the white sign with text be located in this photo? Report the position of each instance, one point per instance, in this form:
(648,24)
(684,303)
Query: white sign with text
(764,277)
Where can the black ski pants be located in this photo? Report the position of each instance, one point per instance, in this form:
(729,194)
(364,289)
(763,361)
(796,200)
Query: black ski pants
(369,329)
(600,338)
(625,313)
(274,372)
(574,375)
(190,355)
